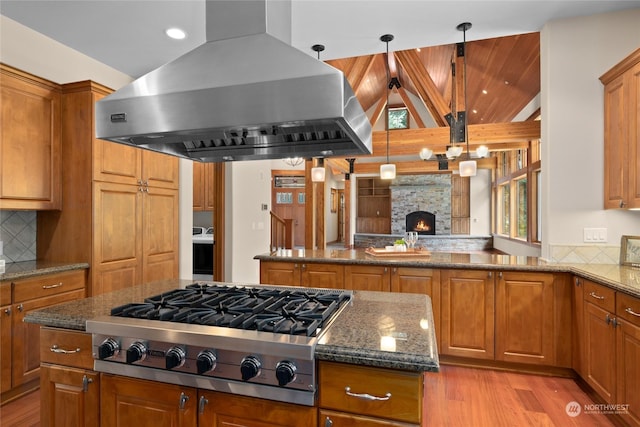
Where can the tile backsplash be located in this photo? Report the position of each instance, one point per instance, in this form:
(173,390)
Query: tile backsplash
(585,254)
(18,235)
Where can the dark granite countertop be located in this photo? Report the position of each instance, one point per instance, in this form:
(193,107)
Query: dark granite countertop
(377,329)
(620,278)
(26,269)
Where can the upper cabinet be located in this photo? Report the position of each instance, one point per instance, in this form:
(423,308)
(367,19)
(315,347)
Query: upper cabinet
(203,186)
(622,134)
(29,142)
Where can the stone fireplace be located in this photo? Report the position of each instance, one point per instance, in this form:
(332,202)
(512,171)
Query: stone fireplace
(429,193)
(423,222)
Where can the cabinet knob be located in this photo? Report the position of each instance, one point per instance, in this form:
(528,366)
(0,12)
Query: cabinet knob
(490,275)
(7,311)
(20,308)
(328,422)
(622,203)
(578,281)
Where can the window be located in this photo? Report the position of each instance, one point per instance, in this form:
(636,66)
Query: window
(517,199)
(398,118)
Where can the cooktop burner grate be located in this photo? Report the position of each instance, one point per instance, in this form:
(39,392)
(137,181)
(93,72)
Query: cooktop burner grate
(270,309)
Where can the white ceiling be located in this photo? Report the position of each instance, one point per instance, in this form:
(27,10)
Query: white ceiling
(129,35)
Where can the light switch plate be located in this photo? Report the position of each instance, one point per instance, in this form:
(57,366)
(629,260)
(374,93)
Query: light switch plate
(595,235)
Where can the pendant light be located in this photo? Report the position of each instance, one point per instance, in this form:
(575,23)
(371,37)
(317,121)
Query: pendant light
(318,172)
(468,167)
(387,170)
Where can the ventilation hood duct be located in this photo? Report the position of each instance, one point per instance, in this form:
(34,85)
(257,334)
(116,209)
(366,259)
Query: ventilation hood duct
(243,95)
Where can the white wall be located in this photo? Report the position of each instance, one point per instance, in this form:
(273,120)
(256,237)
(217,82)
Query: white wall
(574,54)
(480,203)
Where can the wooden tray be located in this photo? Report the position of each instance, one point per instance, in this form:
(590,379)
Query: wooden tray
(408,254)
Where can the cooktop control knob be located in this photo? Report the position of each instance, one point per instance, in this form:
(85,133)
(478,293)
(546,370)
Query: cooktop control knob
(206,361)
(250,367)
(136,352)
(175,357)
(285,372)
(108,348)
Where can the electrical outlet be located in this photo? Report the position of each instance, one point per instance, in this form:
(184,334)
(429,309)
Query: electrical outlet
(595,235)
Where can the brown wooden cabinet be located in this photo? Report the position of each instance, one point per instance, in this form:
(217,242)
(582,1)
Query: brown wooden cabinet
(29,142)
(600,339)
(312,275)
(367,278)
(350,395)
(622,134)
(69,397)
(467,313)
(577,325)
(120,204)
(373,206)
(20,340)
(6,314)
(135,402)
(628,355)
(533,314)
(203,186)
(227,410)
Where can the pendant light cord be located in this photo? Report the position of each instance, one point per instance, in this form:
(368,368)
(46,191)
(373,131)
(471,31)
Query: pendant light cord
(387,38)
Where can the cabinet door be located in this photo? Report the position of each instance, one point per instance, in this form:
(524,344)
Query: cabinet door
(525,318)
(113,162)
(577,325)
(160,239)
(5,348)
(140,403)
(117,237)
(341,419)
(616,140)
(280,273)
(203,186)
(26,336)
(600,345)
(29,142)
(69,397)
(419,281)
(322,276)
(628,368)
(467,316)
(226,410)
(159,170)
(367,278)
(634,142)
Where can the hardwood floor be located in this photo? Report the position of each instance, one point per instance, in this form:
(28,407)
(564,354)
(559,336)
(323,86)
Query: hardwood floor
(456,397)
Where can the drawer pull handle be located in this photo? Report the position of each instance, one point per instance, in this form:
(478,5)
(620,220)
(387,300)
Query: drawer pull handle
(183,401)
(596,296)
(631,312)
(202,403)
(366,396)
(55,349)
(57,285)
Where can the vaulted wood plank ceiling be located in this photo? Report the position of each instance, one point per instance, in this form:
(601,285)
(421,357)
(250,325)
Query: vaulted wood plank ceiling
(503,77)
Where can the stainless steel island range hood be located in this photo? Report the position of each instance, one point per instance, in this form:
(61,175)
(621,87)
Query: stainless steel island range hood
(243,95)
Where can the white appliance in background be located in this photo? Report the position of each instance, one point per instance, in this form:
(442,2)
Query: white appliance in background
(203,244)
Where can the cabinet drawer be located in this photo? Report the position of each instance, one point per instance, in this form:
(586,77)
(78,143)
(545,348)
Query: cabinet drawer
(5,293)
(68,348)
(338,419)
(398,394)
(628,308)
(599,295)
(50,284)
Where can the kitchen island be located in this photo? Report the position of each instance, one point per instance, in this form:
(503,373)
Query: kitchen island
(376,336)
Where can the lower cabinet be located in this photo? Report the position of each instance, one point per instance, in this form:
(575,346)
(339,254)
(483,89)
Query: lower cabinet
(226,410)
(69,397)
(367,278)
(628,355)
(351,395)
(467,316)
(312,275)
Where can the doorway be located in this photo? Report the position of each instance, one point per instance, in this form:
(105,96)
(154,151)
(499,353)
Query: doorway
(288,200)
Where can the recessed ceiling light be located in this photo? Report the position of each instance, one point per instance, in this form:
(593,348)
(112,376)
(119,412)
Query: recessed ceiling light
(484,91)
(175,33)
(475,111)
(417,49)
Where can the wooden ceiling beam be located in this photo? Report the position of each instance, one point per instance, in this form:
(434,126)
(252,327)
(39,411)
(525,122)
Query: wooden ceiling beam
(411,141)
(427,89)
(418,167)
(411,107)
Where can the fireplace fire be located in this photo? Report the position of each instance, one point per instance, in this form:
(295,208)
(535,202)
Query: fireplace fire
(422,222)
